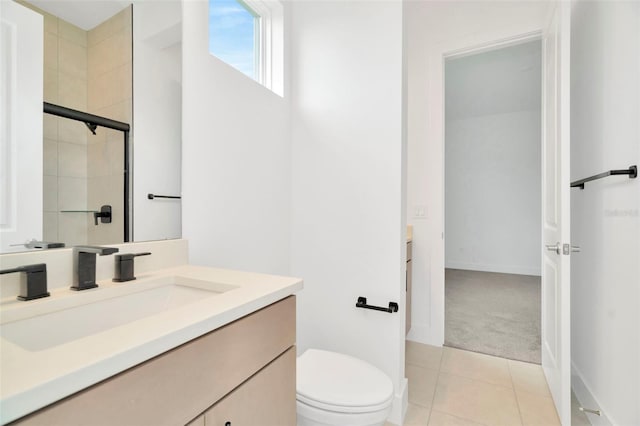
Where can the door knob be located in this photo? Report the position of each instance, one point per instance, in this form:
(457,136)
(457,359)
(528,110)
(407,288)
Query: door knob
(554,247)
(567,249)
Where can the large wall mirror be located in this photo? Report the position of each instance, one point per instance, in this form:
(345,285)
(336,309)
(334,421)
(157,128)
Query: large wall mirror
(111,127)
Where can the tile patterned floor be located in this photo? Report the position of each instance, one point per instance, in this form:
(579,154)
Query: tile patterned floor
(454,387)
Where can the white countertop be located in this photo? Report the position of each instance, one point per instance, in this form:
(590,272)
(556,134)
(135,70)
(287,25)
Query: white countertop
(32,379)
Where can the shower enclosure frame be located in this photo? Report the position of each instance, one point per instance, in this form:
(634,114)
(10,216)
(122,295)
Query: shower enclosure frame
(92,122)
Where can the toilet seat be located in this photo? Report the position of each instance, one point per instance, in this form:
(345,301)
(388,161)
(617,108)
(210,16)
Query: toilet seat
(340,383)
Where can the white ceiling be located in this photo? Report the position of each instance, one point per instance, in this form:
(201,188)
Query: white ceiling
(494,82)
(86,14)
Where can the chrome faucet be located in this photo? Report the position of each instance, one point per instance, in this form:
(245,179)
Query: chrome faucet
(84,265)
(33,285)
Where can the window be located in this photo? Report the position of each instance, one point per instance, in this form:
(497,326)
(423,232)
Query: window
(248,35)
(234,35)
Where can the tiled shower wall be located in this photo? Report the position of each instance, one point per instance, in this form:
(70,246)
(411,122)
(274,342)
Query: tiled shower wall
(65,141)
(109,95)
(88,71)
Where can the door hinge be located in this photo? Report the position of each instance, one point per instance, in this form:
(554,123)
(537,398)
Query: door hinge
(589,410)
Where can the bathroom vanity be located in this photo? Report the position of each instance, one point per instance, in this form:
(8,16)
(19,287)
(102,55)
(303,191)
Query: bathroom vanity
(251,361)
(183,345)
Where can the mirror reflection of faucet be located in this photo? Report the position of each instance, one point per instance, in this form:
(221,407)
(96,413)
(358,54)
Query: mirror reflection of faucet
(104,214)
(35,244)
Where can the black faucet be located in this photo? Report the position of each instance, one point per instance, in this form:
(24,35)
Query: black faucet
(124,267)
(33,285)
(84,265)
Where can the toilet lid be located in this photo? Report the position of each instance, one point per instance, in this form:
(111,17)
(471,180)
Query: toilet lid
(340,382)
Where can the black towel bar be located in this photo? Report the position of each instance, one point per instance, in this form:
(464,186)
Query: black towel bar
(631,171)
(152,196)
(362,303)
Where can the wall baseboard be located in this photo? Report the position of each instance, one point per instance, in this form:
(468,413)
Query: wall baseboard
(587,399)
(423,334)
(503,269)
(400,404)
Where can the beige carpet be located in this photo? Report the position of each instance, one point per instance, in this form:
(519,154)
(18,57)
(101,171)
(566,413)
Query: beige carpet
(492,313)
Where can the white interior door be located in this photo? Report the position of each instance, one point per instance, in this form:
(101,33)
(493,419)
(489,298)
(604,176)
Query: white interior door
(21,57)
(556,317)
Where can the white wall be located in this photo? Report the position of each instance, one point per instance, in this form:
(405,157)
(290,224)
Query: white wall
(492,160)
(348,235)
(433,29)
(236,159)
(605,220)
(157,111)
(21,121)
(492,197)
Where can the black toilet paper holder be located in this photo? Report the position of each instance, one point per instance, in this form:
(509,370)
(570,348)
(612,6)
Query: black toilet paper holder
(362,303)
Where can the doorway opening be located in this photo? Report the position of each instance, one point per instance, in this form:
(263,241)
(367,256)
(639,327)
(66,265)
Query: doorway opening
(493,104)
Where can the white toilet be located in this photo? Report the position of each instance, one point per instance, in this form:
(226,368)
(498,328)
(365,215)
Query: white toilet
(337,389)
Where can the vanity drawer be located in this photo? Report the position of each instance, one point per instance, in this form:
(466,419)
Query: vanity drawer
(179,385)
(270,394)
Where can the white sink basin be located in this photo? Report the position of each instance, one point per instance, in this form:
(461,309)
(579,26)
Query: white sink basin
(121,305)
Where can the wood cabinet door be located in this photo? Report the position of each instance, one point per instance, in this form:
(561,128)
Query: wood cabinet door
(268,398)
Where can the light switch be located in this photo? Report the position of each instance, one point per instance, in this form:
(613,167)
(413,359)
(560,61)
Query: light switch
(420,211)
